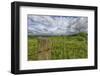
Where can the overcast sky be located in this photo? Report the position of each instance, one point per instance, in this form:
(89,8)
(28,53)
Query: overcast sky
(56,25)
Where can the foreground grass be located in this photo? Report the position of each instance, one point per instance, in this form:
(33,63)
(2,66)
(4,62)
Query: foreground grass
(63,47)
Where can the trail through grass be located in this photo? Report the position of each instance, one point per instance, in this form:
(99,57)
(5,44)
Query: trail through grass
(63,47)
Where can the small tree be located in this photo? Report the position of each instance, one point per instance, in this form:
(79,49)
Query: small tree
(81,25)
(78,25)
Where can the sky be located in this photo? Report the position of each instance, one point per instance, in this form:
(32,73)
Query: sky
(56,25)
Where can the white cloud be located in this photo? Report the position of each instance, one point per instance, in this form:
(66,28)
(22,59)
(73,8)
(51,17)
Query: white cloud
(56,25)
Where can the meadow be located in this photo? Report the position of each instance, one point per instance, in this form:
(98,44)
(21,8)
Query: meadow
(63,47)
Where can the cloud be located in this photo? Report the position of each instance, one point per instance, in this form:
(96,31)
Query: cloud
(56,25)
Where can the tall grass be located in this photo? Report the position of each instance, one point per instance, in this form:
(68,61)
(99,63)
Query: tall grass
(63,47)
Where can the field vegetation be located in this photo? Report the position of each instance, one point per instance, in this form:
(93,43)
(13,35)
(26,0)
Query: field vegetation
(63,47)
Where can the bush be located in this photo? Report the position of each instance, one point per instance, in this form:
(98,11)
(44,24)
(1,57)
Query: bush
(82,34)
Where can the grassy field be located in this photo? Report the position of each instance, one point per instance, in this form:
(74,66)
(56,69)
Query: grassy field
(63,47)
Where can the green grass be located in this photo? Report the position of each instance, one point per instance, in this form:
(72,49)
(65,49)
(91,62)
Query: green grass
(63,47)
